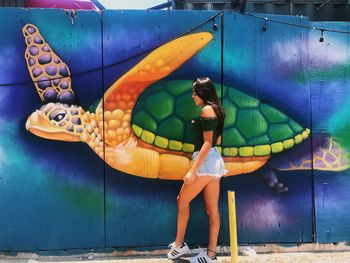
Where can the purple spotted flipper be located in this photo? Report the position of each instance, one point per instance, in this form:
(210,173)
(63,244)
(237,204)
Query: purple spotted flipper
(51,76)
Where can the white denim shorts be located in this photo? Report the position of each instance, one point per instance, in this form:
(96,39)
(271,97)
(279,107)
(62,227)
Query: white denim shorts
(213,165)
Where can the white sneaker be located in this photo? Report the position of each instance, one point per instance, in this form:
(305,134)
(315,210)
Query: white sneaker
(176,252)
(203,258)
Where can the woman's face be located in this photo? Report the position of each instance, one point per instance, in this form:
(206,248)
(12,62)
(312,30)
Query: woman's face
(197,100)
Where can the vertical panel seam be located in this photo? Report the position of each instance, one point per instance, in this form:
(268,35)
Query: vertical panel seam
(103,125)
(222,103)
(313,236)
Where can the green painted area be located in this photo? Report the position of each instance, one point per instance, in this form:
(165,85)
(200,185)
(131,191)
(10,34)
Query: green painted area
(93,106)
(295,126)
(262,150)
(231,112)
(86,198)
(175,145)
(148,137)
(279,132)
(272,115)
(232,137)
(342,137)
(137,130)
(169,108)
(185,107)
(246,151)
(305,134)
(251,123)
(264,139)
(340,120)
(332,73)
(172,128)
(242,100)
(187,147)
(339,125)
(145,121)
(232,151)
(161,142)
(287,144)
(178,87)
(277,147)
(160,105)
(298,138)
(140,104)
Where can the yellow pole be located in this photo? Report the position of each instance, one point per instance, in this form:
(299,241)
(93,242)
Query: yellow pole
(233,226)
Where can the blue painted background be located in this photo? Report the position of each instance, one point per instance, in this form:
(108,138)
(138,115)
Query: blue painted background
(51,192)
(60,195)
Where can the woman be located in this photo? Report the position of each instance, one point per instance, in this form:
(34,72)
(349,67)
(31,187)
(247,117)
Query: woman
(205,173)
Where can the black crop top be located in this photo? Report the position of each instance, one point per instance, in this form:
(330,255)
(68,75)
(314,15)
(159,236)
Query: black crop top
(201,124)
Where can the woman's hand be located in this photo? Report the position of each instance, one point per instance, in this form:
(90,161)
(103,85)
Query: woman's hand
(189,177)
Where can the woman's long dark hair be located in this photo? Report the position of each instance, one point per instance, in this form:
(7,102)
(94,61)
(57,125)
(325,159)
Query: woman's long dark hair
(205,89)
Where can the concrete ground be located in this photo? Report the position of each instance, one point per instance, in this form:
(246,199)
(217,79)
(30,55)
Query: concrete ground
(271,253)
(303,257)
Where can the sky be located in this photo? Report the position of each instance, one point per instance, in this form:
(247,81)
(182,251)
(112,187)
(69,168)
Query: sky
(130,4)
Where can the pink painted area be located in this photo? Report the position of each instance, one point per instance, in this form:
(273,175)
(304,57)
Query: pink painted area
(64,4)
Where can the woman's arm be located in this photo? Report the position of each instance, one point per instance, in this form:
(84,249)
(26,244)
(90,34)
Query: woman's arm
(218,140)
(207,112)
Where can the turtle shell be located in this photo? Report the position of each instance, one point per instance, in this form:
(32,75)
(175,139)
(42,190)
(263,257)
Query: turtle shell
(162,116)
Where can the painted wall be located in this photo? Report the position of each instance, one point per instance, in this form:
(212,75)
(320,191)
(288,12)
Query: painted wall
(276,85)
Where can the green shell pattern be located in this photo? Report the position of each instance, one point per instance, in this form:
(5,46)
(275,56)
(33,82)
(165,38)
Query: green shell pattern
(162,116)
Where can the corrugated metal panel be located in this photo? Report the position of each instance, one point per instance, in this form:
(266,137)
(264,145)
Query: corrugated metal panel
(336,10)
(11,3)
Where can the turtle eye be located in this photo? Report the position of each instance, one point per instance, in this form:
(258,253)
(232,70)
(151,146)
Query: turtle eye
(57,115)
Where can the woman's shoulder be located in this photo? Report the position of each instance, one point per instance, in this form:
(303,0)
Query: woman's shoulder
(207,112)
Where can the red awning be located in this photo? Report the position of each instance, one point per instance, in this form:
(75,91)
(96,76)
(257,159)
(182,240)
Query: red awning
(64,4)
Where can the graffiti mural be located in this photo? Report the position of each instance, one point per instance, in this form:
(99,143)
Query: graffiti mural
(122,88)
(108,130)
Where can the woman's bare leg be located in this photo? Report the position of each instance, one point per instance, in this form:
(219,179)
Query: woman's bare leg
(187,193)
(211,194)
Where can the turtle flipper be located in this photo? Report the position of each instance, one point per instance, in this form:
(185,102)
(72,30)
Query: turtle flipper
(270,177)
(327,155)
(51,76)
(158,64)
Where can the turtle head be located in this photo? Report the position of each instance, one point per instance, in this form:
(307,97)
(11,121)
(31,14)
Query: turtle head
(56,121)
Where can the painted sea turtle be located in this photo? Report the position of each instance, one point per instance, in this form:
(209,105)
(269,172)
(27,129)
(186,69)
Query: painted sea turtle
(140,127)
